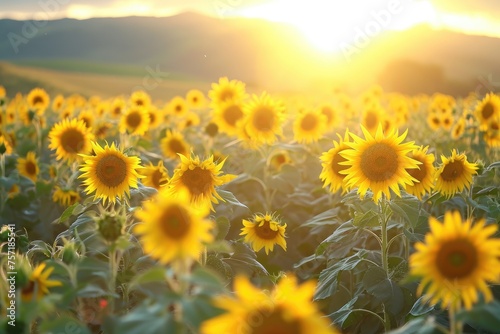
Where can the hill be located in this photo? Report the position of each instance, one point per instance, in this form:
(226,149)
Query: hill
(192,47)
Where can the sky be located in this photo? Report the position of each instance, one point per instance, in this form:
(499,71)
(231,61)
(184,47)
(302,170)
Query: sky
(322,21)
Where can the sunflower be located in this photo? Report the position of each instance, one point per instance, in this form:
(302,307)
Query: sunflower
(372,116)
(330,161)
(458,129)
(140,99)
(117,107)
(66,113)
(177,106)
(64,196)
(189,120)
(38,100)
(456,261)
(5,146)
(174,144)
(28,166)
(309,126)
(156,117)
(200,179)
(487,109)
(454,174)
(110,173)
(227,115)
(3,93)
(424,175)
(58,103)
(379,163)
(264,118)
(195,99)
(70,138)
(101,130)
(155,176)
(278,159)
(330,114)
(135,121)
(226,90)
(434,121)
(447,121)
(256,311)
(13,191)
(87,116)
(264,231)
(39,283)
(172,229)
(492,134)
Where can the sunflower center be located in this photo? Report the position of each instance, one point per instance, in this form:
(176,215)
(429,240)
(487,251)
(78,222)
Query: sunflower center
(226,94)
(309,122)
(117,110)
(494,126)
(111,170)
(452,171)
(197,180)
(194,99)
(487,110)
(233,114)
(152,117)
(178,108)
(174,222)
(72,140)
(156,178)
(139,102)
(417,173)
(28,289)
(336,166)
(265,231)
(435,120)
(30,168)
(134,119)
(379,162)
(263,119)
(457,259)
(37,100)
(176,146)
(265,321)
(328,113)
(371,120)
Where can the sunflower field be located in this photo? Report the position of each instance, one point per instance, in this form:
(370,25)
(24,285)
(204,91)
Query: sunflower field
(229,212)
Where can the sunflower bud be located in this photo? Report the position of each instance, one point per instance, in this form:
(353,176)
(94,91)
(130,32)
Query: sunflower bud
(480,167)
(69,253)
(110,226)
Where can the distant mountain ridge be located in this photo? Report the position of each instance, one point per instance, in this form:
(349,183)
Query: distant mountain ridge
(259,52)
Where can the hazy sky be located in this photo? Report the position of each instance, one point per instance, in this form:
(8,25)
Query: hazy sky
(470,16)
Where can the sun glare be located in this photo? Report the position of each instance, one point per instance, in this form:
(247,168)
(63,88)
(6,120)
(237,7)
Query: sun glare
(328,25)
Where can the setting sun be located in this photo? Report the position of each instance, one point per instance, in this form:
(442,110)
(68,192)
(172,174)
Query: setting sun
(329,25)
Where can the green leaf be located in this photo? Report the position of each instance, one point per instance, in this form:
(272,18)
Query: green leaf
(496,164)
(323,218)
(328,278)
(68,213)
(155,274)
(376,282)
(419,326)
(244,260)
(229,198)
(206,279)
(197,310)
(483,316)
(223,226)
(366,219)
(408,207)
(421,307)
(64,324)
(151,318)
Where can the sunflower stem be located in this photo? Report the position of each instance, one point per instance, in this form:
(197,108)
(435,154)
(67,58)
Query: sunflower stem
(455,326)
(384,220)
(113,270)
